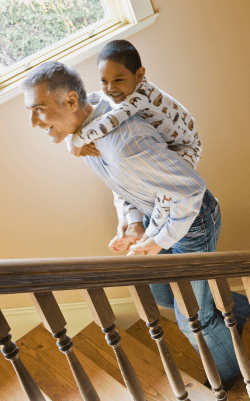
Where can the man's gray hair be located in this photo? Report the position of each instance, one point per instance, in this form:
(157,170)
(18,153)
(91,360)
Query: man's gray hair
(57,76)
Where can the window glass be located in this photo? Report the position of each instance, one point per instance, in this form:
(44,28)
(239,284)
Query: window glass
(28,26)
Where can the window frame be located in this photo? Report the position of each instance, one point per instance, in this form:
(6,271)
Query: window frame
(129,17)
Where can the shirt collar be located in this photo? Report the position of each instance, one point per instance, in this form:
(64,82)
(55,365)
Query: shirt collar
(102,107)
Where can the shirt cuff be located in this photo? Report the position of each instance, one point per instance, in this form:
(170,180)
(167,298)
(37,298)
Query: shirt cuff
(152,231)
(163,240)
(134,216)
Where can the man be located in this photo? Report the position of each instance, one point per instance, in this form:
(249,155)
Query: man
(136,164)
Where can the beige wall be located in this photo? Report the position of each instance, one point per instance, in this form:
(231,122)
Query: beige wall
(53,206)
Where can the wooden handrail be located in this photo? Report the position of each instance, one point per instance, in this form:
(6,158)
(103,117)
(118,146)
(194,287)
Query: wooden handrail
(38,275)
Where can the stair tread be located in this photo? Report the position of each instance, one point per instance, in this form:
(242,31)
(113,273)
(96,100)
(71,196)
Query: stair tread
(185,356)
(51,372)
(174,338)
(146,363)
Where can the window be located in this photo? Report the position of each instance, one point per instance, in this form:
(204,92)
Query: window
(28,26)
(34,31)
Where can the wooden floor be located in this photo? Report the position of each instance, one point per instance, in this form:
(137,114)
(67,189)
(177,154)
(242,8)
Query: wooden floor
(50,370)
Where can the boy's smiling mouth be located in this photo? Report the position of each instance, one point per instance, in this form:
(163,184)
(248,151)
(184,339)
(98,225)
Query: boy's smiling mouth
(116,97)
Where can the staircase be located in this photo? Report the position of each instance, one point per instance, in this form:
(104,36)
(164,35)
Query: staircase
(149,371)
(50,369)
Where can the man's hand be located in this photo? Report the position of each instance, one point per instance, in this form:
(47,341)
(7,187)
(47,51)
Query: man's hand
(86,150)
(146,246)
(126,236)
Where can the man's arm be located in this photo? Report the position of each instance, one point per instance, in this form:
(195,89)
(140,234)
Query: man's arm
(130,227)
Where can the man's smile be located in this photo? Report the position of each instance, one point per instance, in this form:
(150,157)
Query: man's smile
(48,129)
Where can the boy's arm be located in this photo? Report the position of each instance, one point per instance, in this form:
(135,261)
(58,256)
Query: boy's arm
(108,121)
(177,122)
(190,150)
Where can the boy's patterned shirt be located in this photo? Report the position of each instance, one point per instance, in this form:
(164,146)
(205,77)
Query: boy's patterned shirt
(164,113)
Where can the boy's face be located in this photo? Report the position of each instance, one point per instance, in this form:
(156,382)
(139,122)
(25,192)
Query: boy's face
(117,81)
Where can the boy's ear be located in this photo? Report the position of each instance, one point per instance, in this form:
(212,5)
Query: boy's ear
(140,73)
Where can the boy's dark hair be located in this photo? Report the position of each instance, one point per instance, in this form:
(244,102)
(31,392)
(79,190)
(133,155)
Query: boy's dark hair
(57,76)
(122,52)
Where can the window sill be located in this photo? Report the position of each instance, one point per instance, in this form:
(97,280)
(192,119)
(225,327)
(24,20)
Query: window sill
(87,51)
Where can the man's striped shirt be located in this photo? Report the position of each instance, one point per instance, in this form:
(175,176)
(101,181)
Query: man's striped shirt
(136,164)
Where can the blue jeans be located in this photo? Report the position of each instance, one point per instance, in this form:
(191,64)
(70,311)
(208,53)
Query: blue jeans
(202,237)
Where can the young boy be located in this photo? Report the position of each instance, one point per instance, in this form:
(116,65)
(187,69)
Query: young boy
(123,82)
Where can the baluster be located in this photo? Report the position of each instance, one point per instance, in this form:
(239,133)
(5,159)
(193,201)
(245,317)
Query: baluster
(54,322)
(187,303)
(104,317)
(149,312)
(11,353)
(246,282)
(224,302)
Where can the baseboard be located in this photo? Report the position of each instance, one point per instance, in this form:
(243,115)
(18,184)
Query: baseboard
(77,315)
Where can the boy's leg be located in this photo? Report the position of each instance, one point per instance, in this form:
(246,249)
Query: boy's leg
(203,237)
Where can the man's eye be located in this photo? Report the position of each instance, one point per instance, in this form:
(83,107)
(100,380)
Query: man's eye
(103,81)
(37,109)
(119,80)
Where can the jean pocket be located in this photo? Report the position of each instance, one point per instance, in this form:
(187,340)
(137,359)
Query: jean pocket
(194,241)
(197,228)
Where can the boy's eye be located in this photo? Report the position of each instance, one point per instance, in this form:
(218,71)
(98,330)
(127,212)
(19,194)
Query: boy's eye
(119,80)
(103,81)
(37,109)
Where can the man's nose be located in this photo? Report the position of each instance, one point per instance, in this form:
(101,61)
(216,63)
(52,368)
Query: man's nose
(34,120)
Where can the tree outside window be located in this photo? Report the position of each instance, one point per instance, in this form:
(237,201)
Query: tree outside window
(27,26)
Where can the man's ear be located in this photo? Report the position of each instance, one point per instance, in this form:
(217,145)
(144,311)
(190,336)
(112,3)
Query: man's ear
(140,74)
(72,101)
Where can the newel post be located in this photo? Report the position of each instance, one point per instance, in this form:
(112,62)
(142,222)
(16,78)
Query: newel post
(149,312)
(187,303)
(54,322)
(11,353)
(104,317)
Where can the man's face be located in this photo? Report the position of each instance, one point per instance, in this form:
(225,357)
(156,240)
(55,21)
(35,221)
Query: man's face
(47,112)
(117,81)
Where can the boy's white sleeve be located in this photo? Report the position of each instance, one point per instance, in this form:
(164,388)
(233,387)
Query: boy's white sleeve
(179,126)
(125,210)
(159,215)
(190,152)
(107,122)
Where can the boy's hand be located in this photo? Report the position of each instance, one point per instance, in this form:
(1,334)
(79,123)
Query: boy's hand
(126,236)
(89,150)
(146,246)
(86,150)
